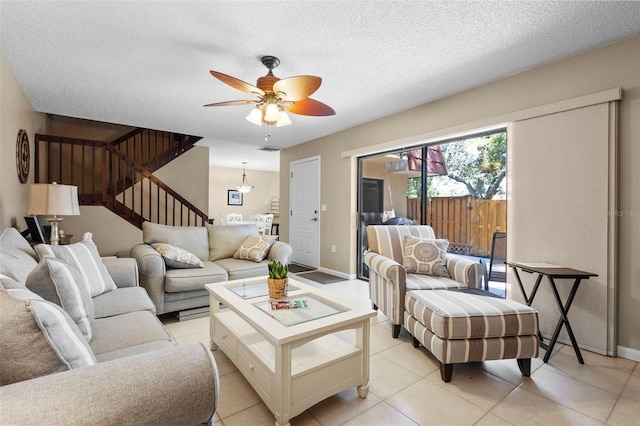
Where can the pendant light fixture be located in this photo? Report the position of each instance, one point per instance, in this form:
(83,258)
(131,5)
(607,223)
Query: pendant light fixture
(244,187)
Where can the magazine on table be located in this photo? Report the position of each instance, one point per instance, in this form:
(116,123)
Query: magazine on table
(289,304)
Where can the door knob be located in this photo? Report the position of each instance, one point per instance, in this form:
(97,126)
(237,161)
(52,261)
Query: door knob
(315,219)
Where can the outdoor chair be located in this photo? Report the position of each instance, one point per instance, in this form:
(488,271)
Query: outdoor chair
(496,270)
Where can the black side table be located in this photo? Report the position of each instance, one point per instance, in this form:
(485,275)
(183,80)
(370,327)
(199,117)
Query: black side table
(553,272)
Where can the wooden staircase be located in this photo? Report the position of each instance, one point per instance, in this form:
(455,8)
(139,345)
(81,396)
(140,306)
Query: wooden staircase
(119,174)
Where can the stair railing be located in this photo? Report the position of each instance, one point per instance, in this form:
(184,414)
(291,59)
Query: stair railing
(106,176)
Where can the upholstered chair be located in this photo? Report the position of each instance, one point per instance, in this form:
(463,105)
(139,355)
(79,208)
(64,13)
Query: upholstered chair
(389,281)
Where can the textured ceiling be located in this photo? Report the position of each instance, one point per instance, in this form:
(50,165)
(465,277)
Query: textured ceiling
(147,63)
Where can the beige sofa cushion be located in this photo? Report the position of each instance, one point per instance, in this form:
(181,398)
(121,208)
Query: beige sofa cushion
(42,337)
(225,240)
(179,280)
(190,238)
(127,331)
(240,269)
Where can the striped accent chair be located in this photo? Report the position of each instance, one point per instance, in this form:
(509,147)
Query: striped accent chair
(388,280)
(457,327)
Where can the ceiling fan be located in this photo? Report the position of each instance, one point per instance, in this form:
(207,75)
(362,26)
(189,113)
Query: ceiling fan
(276,96)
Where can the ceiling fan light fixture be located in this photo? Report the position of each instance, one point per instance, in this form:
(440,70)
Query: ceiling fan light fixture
(271,113)
(283,120)
(255,116)
(275,95)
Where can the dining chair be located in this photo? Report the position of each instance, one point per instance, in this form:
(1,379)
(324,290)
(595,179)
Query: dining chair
(261,221)
(268,224)
(234,217)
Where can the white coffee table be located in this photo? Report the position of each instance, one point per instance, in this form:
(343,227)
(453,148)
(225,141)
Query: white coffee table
(293,358)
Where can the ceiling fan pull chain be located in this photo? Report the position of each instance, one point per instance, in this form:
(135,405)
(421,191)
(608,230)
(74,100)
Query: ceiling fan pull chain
(267,132)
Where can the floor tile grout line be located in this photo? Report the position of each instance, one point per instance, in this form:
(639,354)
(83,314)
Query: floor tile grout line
(563,405)
(244,409)
(590,384)
(619,396)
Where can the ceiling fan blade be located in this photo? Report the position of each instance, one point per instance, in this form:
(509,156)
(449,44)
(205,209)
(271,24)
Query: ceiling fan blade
(311,107)
(237,84)
(298,87)
(229,103)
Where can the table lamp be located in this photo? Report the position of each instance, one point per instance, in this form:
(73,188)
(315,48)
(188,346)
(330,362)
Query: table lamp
(53,199)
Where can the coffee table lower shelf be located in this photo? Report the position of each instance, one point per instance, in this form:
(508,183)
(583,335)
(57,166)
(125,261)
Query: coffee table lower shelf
(294,376)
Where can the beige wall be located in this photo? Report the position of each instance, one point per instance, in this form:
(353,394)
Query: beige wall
(258,200)
(188,174)
(611,66)
(16,113)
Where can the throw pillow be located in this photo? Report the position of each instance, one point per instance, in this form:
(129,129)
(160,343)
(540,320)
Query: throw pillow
(225,240)
(255,248)
(62,284)
(175,257)
(190,238)
(39,338)
(84,256)
(425,256)
(17,258)
(8,282)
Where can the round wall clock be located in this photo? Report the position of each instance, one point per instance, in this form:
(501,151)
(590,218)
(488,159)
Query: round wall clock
(22,156)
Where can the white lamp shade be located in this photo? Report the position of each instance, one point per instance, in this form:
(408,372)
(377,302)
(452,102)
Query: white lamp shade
(271,113)
(283,120)
(53,199)
(255,116)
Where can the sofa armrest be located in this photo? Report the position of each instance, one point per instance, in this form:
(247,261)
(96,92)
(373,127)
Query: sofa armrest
(387,268)
(387,285)
(165,387)
(124,271)
(466,271)
(280,252)
(152,272)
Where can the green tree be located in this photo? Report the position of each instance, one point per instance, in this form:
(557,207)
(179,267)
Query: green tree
(414,185)
(479,164)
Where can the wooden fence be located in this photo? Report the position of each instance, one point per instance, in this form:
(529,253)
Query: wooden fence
(466,222)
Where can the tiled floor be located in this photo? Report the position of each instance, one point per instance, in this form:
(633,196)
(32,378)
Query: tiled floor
(405,386)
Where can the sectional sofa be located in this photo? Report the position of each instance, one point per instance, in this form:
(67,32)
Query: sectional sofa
(82,345)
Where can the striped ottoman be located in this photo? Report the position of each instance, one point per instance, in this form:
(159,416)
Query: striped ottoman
(459,327)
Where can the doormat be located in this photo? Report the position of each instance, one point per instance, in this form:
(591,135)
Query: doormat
(321,277)
(296,269)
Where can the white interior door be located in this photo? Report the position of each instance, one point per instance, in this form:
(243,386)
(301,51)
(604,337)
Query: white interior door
(304,211)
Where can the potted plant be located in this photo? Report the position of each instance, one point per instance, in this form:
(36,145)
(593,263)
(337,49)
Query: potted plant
(277,280)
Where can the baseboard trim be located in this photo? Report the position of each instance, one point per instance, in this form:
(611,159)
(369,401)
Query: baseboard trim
(337,273)
(629,353)
(193,313)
